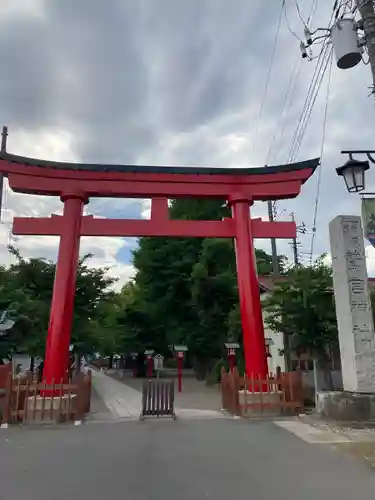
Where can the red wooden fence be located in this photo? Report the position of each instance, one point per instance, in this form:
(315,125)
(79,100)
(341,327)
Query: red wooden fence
(28,401)
(241,394)
(5,370)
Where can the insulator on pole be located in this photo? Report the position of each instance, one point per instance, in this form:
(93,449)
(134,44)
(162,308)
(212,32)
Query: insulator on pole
(308,36)
(303,50)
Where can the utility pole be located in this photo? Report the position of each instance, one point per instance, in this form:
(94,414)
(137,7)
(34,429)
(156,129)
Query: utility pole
(275,262)
(349,38)
(367,11)
(295,246)
(4,136)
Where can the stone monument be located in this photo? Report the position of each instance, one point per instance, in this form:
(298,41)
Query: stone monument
(355,324)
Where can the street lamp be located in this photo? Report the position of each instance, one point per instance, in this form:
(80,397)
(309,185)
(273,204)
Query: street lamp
(353,172)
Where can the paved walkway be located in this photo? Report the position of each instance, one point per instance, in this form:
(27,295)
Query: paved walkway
(125,402)
(195,394)
(122,401)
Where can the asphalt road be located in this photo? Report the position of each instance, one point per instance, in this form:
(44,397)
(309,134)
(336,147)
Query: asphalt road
(182,460)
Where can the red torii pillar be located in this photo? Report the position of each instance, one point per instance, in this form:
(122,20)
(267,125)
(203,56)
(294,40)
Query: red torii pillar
(62,307)
(248,290)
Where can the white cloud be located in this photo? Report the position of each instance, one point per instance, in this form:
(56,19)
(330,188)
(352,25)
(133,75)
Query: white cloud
(53,144)
(186,96)
(28,8)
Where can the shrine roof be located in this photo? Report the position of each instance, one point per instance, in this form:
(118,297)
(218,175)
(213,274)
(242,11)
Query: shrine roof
(192,170)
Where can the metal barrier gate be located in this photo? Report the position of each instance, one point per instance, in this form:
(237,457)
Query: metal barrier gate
(158,399)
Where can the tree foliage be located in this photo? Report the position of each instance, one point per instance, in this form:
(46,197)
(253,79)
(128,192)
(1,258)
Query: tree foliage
(302,307)
(187,287)
(26,292)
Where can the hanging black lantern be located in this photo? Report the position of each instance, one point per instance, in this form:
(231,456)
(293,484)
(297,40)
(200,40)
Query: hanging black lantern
(353,172)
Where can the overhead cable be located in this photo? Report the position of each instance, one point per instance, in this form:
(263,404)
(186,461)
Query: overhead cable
(260,114)
(316,205)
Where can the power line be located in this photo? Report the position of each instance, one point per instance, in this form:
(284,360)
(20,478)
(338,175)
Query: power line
(321,160)
(313,9)
(292,79)
(313,91)
(306,103)
(269,72)
(312,94)
(299,13)
(308,116)
(288,24)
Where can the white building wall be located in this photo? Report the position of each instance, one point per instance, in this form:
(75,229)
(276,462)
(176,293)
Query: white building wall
(277,345)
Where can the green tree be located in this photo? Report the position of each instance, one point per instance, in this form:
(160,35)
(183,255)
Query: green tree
(93,301)
(214,294)
(26,291)
(302,307)
(164,267)
(187,287)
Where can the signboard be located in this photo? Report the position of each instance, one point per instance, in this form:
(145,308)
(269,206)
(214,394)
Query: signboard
(368,219)
(158,362)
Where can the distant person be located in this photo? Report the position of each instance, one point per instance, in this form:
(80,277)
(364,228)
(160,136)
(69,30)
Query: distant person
(40,371)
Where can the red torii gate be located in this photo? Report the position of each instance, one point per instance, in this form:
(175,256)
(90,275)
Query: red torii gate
(75,183)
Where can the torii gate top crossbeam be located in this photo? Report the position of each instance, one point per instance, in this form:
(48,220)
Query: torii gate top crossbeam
(32,176)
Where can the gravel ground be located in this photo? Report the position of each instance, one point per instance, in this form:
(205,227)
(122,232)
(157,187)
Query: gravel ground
(364,451)
(361,435)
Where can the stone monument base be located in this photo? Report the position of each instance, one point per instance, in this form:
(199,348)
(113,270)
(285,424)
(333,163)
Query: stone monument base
(48,409)
(256,399)
(346,406)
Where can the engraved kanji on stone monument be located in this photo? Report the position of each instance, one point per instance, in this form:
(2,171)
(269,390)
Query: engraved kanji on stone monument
(353,305)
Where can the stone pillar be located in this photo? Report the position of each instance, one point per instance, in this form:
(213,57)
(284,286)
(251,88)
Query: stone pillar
(353,305)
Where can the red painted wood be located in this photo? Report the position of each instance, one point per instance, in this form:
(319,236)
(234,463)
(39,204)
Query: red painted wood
(159,209)
(52,226)
(150,366)
(248,291)
(180,365)
(126,189)
(60,324)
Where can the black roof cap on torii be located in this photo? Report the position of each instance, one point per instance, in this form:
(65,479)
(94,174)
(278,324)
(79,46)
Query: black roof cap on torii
(230,171)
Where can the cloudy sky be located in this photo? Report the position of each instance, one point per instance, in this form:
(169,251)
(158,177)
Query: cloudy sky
(173,82)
